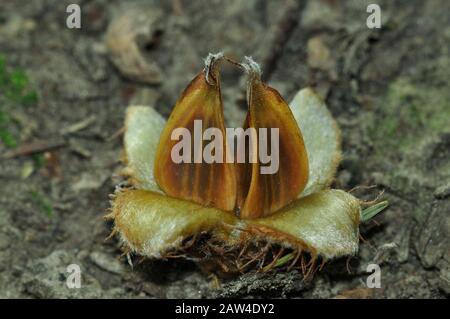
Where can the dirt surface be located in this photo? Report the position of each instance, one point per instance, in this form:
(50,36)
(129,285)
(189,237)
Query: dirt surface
(388,89)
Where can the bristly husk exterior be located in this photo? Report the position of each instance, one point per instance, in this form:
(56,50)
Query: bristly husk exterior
(158,226)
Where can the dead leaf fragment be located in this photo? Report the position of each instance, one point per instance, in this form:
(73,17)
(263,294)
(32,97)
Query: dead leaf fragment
(123,38)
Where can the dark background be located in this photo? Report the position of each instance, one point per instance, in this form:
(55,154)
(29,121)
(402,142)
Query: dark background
(63,93)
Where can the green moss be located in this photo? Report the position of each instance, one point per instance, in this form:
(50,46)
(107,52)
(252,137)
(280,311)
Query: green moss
(14,92)
(410,121)
(7,138)
(43,203)
(39,160)
(410,112)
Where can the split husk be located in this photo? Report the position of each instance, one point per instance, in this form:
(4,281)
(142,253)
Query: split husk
(321,224)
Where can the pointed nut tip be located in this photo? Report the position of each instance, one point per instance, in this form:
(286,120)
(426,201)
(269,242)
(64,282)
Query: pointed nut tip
(209,63)
(212,57)
(251,67)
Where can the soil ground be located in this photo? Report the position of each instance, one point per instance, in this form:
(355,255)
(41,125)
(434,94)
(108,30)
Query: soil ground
(388,89)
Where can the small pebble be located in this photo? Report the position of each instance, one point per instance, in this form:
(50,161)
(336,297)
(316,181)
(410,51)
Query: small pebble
(106,262)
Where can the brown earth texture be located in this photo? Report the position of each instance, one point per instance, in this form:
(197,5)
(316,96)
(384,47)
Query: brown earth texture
(63,95)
